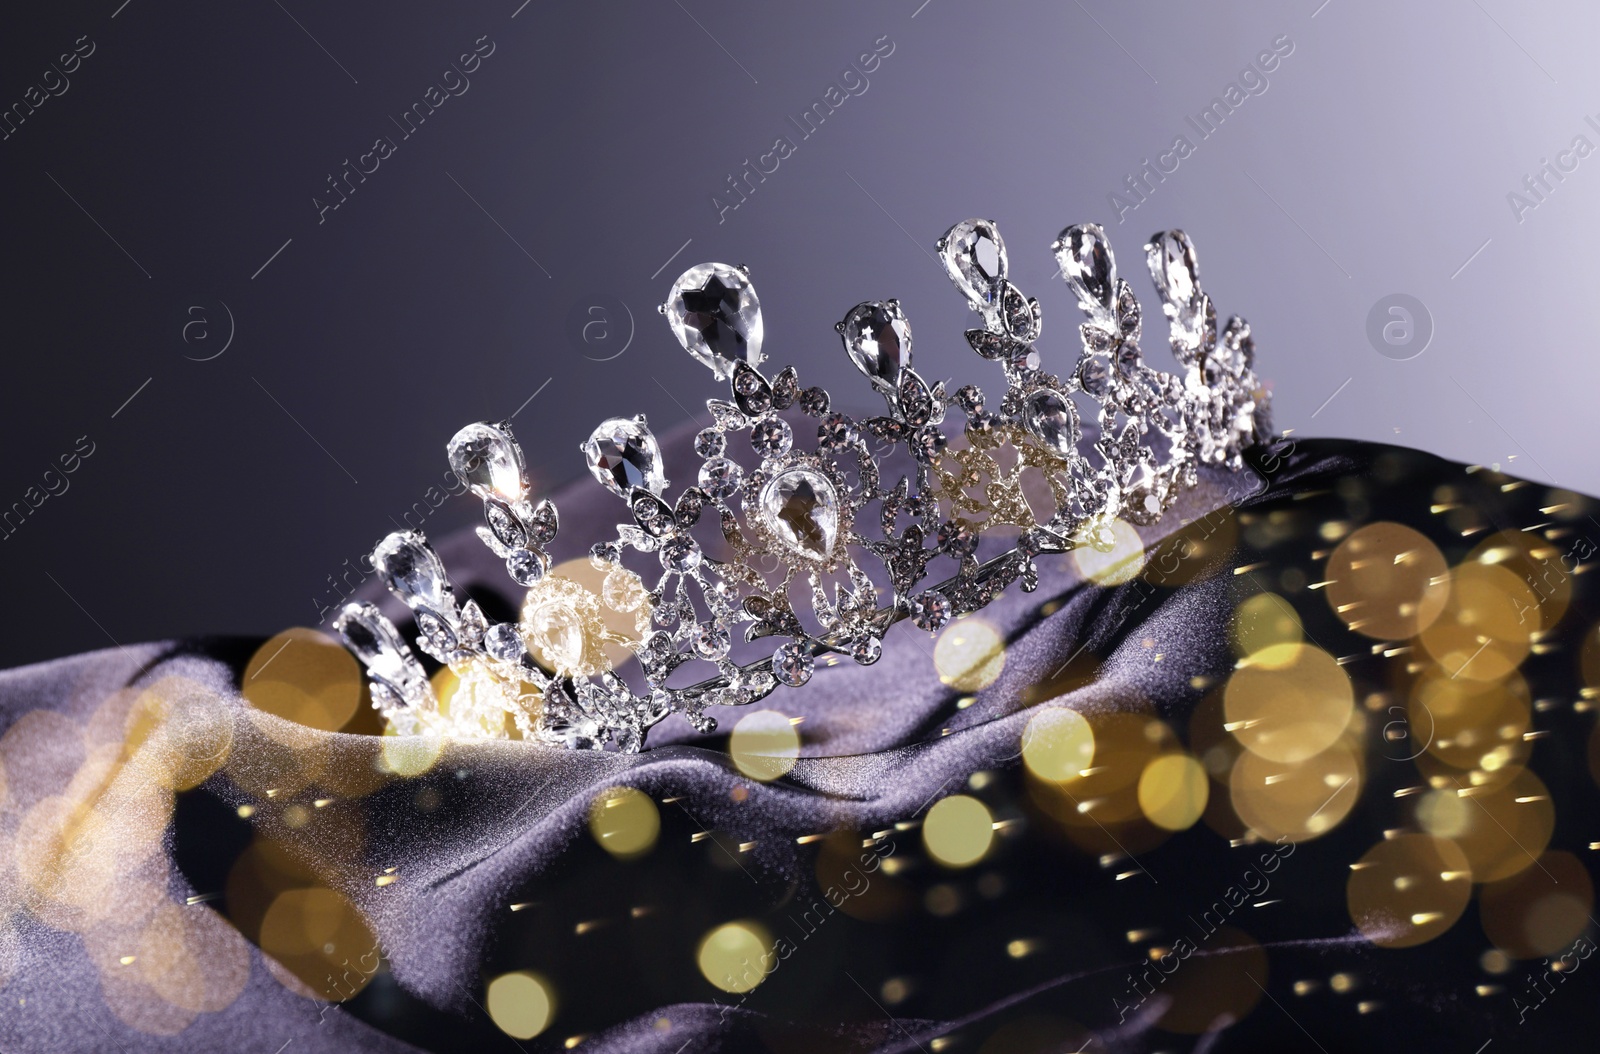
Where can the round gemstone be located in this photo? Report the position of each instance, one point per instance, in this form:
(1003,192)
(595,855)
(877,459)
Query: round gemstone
(835,432)
(814,401)
(711,641)
(487,461)
(792,664)
(716,316)
(525,566)
(930,611)
(504,642)
(680,554)
(710,443)
(801,507)
(771,437)
(623,454)
(867,650)
(720,477)
(878,338)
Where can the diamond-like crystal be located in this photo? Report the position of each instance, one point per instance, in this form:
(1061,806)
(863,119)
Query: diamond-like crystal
(771,437)
(412,571)
(974,255)
(792,664)
(711,641)
(504,642)
(709,442)
(930,611)
(487,461)
(525,566)
(1052,417)
(716,316)
(622,454)
(878,338)
(801,508)
(680,554)
(1084,254)
(720,477)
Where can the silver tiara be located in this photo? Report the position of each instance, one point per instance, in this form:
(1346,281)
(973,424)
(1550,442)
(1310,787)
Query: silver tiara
(733,550)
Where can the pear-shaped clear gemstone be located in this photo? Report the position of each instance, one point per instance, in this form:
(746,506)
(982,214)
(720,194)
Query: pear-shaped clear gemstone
(623,454)
(412,571)
(975,257)
(878,338)
(488,461)
(556,632)
(1052,417)
(1170,257)
(1084,253)
(716,316)
(801,508)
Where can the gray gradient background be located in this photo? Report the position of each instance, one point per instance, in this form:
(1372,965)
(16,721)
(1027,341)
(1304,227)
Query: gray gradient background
(453,284)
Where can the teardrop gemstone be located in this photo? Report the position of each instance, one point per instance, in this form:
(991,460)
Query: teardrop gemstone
(801,508)
(878,338)
(1052,417)
(623,454)
(488,461)
(1084,253)
(716,316)
(975,257)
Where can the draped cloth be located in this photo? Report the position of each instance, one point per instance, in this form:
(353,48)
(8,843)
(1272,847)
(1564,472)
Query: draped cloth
(133,776)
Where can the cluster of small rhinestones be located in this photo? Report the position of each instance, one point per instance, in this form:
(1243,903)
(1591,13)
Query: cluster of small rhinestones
(769,518)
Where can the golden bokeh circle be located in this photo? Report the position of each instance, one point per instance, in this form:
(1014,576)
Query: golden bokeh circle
(734,955)
(1536,562)
(1487,626)
(1300,801)
(1541,909)
(764,745)
(969,654)
(1262,622)
(1057,744)
(521,1004)
(1173,790)
(1408,889)
(1508,826)
(1288,702)
(1119,564)
(958,831)
(1387,581)
(304,675)
(1475,725)
(625,821)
